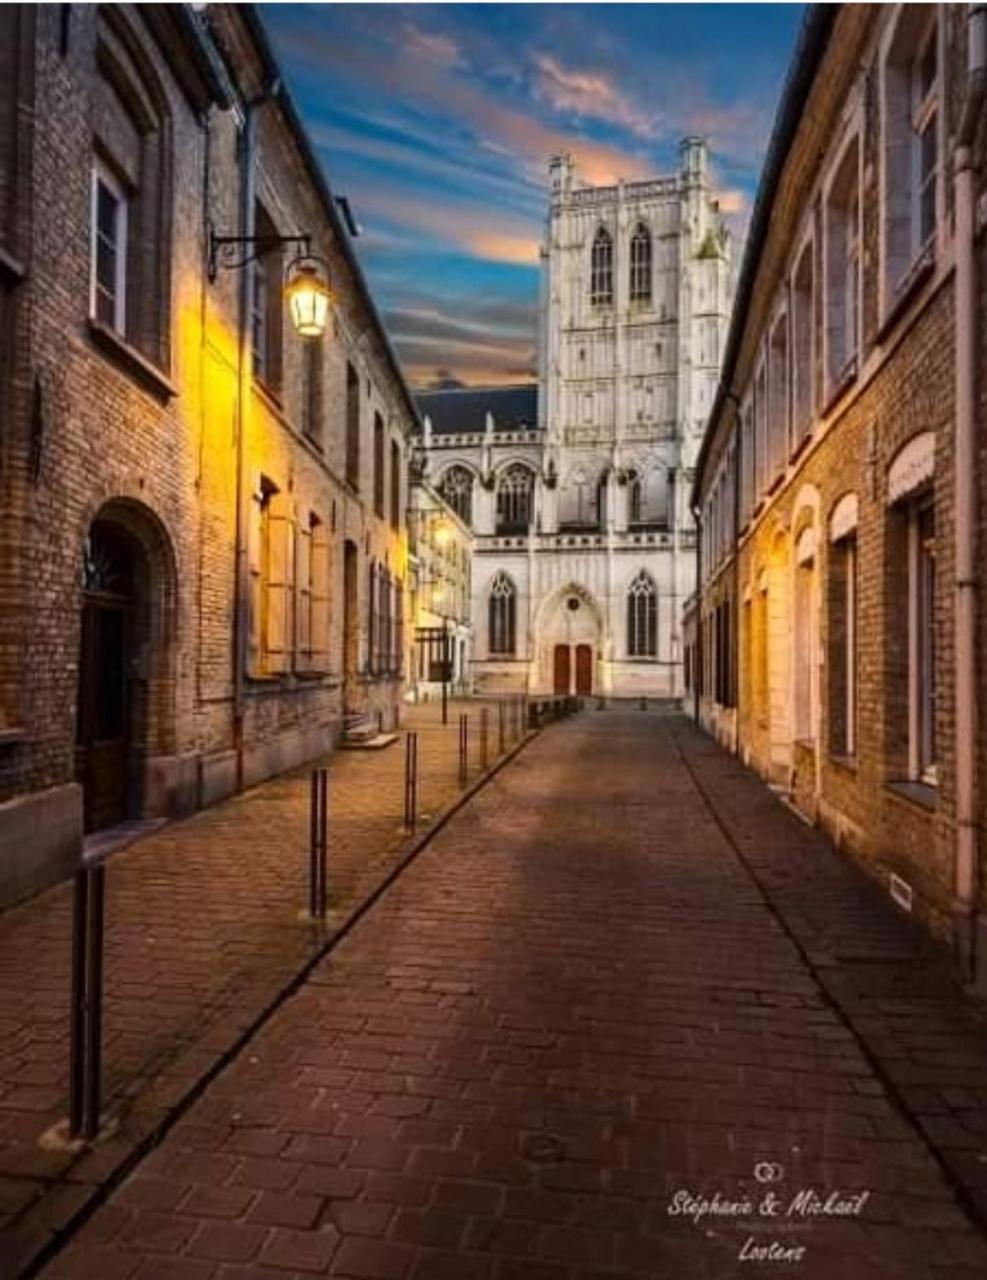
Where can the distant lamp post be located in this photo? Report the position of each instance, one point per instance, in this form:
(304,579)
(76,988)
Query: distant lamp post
(308,297)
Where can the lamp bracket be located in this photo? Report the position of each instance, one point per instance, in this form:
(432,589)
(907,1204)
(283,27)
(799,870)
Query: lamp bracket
(233,253)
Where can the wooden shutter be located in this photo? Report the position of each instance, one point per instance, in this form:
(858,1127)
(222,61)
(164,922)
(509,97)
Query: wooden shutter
(319,586)
(280,564)
(303,596)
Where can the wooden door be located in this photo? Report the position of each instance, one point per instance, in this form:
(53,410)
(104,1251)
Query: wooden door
(584,669)
(561,669)
(103,738)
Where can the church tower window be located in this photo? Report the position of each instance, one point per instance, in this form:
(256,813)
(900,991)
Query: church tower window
(601,272)
(503,614)
(457,490)
(514,494)
(641,264)
(642,617)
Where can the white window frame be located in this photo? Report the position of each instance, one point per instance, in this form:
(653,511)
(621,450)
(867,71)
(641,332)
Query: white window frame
(923,112)
(103,175)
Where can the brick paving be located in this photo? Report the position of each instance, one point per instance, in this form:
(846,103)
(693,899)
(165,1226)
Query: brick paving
(205,927)
(581,999)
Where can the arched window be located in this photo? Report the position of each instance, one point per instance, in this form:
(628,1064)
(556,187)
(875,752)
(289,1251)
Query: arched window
(635,498)
(503,614)
(601,272)
(642,617)
(641,264)
(456,488)
(514,493)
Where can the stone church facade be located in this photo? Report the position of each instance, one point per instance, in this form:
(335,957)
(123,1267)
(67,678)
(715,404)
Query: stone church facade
(577,489)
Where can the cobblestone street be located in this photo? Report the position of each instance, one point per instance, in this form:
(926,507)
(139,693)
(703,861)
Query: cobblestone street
(622,972)
(205,927)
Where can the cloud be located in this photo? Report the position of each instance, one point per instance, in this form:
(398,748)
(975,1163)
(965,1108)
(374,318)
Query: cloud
(590,95)
(431,46)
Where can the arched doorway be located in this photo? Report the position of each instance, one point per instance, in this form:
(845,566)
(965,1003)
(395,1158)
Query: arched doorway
(124,655)
(569,634)
(351,623)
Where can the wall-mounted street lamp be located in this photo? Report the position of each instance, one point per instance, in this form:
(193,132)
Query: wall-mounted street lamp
(306,288)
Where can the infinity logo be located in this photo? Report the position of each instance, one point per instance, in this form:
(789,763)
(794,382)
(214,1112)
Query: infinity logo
(768,1171)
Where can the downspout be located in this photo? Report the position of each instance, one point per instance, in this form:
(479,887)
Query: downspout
(248,144)
(965,499)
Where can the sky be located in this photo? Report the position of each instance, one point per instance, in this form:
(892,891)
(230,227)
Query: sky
(437,122)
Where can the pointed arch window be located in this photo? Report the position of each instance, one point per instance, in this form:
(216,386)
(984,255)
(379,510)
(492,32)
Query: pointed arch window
(642,617)
(641,264)
(503,615)
(635,498)
(601,269)
(514,499)
(457,490)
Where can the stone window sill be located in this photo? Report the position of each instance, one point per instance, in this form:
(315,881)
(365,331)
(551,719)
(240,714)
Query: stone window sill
(913,279)
(131,361)
(922,794)
(847,763)
(843,381)
(11,266)
(10,735)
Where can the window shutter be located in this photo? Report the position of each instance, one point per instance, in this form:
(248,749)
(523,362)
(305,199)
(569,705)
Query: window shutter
(303,597)
(319,586)
(279,586)
(255,539)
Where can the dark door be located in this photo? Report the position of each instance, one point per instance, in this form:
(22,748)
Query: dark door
(584,669)
(351,622)
(562,665)
(105,714)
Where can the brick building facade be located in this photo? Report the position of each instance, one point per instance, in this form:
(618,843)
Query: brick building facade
(202,548)
(832,641)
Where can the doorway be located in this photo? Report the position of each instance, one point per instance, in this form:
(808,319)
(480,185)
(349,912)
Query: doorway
(584,669)
(108,699)
(560,683)
(351,622)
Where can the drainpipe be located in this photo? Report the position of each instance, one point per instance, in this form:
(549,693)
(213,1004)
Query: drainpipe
(248,146)
(965,498)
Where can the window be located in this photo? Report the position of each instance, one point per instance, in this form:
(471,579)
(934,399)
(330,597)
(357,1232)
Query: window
(601,269)
(378,464)
(108,302)
(641,264)
(352,427)
(911,143)
(456,488)
(843,270)
(514,497)
(747,460)
(842,632)
(761,431)
(131,198)
(642,617)
(266,305)
(271,569)
(777,398)
(395,485)
(922,638)
(635,499)
(312,596)
(802,347)
(503,614)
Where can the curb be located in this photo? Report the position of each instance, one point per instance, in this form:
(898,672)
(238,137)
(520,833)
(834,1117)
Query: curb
(62,1236)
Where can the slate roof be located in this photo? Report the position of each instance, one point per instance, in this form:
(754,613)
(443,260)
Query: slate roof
(465,408)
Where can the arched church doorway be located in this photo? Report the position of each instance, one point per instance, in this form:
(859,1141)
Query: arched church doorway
(123,661)
(569,631)
(584,669)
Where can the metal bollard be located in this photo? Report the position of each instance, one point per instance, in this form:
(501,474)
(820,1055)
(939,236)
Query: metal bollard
(484,730)
(318,842)
(411,781)
(464,729)
(86,1015)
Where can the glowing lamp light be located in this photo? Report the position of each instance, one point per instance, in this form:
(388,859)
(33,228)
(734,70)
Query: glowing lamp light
(308,297)
(438,595)
(443,532)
